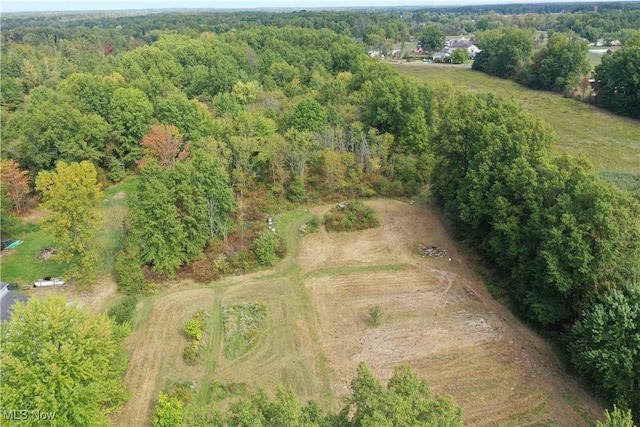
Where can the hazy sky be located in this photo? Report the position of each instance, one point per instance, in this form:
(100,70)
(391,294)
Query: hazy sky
(61,5)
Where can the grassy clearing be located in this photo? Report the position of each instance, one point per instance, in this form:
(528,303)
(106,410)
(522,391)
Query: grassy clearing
(143,309)
(610,142)
(594,59)
(111,234)
(317,327)
(23,265)
(626,180)
(243,325)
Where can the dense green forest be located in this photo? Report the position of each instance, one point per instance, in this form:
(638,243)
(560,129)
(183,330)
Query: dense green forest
(220,119)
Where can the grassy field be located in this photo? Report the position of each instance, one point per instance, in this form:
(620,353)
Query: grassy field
(434,313)
(611,142)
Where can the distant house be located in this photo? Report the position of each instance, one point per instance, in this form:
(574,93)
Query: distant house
(462,43)
(465,44)
(7,300)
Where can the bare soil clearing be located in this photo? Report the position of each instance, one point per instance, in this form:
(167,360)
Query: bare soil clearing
(94,299)
(436,314)
(439,317)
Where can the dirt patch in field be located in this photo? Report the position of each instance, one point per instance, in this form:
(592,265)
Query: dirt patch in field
(96,298)
(156,353)
(438,316)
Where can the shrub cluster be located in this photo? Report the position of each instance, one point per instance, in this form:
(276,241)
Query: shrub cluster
(267,248)
(194,330)
(350,216)
(169,411)
(310,227)
(122,312)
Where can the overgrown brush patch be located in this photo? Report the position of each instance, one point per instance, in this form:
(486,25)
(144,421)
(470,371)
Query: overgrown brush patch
(310,227)
(243,326)
(194,329)
(351,216)
(123,311)
(170,409)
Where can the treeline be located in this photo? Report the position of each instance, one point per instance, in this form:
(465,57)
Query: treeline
(566,244)
(405,401)
(561,66)
(611,21)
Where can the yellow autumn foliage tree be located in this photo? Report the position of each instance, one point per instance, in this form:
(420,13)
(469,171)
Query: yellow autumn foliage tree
(71,196)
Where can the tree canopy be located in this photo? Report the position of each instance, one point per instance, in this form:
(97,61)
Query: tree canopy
(58,359)
(405,401)
(72,196)
(559,65)
(617,81)
(605,345)
(432,38)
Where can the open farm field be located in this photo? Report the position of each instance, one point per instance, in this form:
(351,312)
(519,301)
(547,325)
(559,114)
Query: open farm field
(435,313)
(610,142)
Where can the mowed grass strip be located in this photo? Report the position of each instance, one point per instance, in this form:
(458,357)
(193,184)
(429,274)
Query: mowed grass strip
(610,142)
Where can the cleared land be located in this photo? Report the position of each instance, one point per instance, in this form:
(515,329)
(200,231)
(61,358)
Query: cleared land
(610,142)
(436,314)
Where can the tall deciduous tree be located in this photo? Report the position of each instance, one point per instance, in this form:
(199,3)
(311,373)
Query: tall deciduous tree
(559,65)
(165,145)
(605,345)
(57,131)
(155,224)
(334,170)
(617,81)
(191,117)
(309,116)
(88,93)
(129,116)
(407,401)
(71,195)
(214,190)
(176,211)
(432,38)
(11,93)
(503,53)
(15,183)
(58,359)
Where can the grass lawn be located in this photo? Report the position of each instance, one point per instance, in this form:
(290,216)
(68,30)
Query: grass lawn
(22,264)
(611,142)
